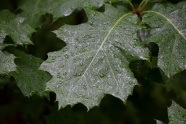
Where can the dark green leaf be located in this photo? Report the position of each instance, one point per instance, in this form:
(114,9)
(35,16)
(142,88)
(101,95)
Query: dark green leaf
(33,9)
(96,58)
(168,30)
(29,79)
(12,26)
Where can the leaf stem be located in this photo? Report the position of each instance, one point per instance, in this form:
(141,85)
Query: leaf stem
(142,5)
(133,9)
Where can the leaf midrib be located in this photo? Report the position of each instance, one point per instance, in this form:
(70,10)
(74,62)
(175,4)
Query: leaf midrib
(106,39)
(169,21)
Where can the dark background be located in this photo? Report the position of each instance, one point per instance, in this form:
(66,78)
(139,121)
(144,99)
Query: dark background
(147,103)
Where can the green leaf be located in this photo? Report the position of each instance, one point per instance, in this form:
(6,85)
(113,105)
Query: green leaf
(6,63)
(158,122)
(96,58)
(33,9)
(29,79)
(12,26)
(168,29)
(177,114)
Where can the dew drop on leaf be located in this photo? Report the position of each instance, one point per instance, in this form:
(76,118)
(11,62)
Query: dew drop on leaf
(58,75)
(66,56)
(65,73)
(65,49)
(75,60)
(75,74)
(102,75)
(81,64)
(62,66)
(60,82)
(91,23)
(84,87)
(115,56)
(67,12)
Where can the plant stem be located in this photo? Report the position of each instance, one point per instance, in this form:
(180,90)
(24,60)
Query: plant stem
(142,5)
(133,9)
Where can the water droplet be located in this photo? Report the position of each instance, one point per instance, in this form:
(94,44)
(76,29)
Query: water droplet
(81,64)
(134,45)
(62,66)
(58,75)
(65,49)
(66,56)
(75,60)
(80,95)
(84,87)
(53,59)
(75,74)
(21,20)
(67,12)
(91,23)
(102,75)
(65,73)
(83,49)
(60,82)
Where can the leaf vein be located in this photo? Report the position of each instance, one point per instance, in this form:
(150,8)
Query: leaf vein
(169,21)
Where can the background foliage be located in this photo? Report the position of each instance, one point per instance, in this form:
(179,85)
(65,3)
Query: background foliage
(27,35)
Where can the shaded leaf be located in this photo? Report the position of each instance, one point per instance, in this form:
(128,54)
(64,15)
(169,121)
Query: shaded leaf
(29,79)
(168,30)
(12,26)
(33,9)
(96,58)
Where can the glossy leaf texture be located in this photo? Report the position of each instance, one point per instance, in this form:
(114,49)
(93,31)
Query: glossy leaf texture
(167,23)
(96,58)
(177,114)
(32,10)
(27,75)
(12,26)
